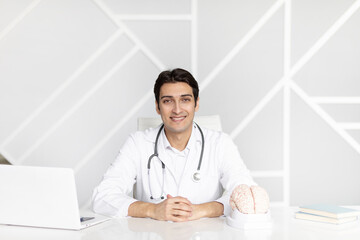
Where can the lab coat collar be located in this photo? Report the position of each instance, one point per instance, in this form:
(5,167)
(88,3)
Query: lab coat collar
(193,138)
(151,133)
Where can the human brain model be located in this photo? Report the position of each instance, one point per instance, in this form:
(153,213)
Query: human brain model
(249,200)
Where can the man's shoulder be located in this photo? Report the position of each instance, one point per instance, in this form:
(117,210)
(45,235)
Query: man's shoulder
(215,134)
(148,134)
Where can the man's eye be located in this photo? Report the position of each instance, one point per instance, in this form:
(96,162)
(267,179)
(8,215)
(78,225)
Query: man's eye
(186,100)
(166,101)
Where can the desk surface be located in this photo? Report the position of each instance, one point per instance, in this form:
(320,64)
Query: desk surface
(285,226)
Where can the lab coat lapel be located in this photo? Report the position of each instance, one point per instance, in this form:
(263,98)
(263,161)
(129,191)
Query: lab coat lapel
(165,158)
(156,174)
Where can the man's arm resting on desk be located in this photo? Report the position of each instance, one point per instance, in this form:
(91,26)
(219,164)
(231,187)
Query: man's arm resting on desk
(210,209)
(177,209)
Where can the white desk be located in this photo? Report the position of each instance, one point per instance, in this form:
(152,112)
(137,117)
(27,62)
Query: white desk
(285,226)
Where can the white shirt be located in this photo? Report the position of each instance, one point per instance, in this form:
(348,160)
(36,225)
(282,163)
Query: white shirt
(222,169)
(178,158)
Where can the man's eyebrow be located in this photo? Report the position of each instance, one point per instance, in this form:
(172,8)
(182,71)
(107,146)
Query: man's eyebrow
(183,95)
(166,97)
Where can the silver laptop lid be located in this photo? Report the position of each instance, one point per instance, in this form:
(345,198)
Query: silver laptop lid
(39,197)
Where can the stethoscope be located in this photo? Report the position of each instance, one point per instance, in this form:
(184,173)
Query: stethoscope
(196,177)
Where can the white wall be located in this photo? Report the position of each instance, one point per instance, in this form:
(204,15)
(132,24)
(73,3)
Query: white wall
(283,75)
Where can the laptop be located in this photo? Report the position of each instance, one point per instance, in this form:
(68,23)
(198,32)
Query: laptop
(41,197)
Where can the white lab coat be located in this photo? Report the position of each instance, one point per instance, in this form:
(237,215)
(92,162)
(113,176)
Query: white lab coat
(222,169)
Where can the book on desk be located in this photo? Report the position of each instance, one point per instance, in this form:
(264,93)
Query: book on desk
(327,213)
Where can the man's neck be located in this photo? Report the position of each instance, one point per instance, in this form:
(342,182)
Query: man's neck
(178,140)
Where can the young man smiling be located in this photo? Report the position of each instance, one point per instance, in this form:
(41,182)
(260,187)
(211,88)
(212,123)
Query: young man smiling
(177,107)
(162,161)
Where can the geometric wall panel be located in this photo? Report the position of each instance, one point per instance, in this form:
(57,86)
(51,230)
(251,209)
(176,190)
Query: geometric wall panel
(9,13)
(260,143)
(72,94)
(51,50)
(334,71)
(310,19)
(175,35)
(242,87)
(226,24)
(320,158)
(343,112)
(101,103)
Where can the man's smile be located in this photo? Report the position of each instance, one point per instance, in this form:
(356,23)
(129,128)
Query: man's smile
(177,118)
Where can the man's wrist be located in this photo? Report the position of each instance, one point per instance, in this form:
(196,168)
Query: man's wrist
(150,210)
(141,209)
(211,209)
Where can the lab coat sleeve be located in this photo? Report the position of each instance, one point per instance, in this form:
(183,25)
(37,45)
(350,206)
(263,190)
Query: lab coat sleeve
(112,196)
(233,171)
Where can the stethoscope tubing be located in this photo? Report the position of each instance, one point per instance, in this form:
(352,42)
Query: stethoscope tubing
(202,147)
(156,154)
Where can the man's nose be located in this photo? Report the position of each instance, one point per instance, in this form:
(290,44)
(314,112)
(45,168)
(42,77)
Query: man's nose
(177,107)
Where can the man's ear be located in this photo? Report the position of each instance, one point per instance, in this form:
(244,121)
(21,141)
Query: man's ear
(157,107)
(197,104)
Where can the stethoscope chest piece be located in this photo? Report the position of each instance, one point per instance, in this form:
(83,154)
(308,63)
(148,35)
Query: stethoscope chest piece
(196,177)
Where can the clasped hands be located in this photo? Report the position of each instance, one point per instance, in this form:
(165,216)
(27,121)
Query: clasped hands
(176,209)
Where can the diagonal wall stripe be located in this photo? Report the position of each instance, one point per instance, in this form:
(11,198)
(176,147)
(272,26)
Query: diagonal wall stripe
(62,87)
(240,45)
(331,122)
(56,125)
(324,38)
(262,103)
(113,131)
(137,41)
(19,18)
(349,125)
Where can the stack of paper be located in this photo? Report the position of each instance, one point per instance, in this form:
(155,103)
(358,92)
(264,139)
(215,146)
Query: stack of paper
(327,213)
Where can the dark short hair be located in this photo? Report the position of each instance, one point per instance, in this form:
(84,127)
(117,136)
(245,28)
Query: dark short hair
(176,75)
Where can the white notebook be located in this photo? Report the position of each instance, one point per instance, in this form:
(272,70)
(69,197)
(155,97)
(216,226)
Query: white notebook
(41,197)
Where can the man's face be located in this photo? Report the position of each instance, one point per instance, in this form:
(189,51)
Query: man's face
(177,106)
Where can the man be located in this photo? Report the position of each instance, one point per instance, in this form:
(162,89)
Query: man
(180,170)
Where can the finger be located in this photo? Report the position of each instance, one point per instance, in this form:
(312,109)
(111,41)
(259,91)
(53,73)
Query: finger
(183,207)
(181,213)
(180,200)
